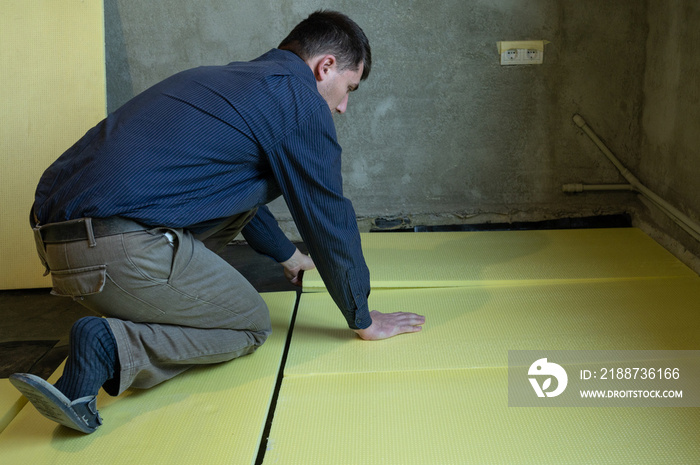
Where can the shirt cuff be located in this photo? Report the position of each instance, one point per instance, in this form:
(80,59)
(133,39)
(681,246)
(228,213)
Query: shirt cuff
(363,320)
(284,250)
(359,289)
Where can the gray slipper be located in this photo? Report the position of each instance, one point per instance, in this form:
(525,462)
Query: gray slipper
(80,414)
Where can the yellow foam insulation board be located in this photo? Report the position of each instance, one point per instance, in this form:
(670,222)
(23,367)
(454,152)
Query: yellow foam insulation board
(444,259)
(53,89)
(11,402)
(476,326)
(462,417)
(213,414)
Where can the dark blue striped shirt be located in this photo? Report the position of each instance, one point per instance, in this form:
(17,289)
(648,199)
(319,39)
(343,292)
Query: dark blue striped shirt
(214,141)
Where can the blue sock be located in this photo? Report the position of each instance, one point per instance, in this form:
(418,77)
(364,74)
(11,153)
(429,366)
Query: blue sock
(92,360)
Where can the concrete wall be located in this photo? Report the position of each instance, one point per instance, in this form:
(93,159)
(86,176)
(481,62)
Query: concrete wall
(670,151)
(440,133)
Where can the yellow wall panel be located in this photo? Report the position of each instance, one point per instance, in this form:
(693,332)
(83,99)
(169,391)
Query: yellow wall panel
(53,89)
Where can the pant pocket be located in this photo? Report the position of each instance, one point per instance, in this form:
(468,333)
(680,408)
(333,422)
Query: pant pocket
(79,282)
(151,253)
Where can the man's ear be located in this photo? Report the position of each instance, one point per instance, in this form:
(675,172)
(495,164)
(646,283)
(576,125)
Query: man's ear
(324,65)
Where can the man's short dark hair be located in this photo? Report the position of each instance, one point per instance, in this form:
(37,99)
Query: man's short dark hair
(330,32)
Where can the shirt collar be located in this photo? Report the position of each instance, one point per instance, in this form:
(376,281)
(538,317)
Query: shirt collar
(292,62)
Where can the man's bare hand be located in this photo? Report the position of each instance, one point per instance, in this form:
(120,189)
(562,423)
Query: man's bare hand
(386,325)
(295,266)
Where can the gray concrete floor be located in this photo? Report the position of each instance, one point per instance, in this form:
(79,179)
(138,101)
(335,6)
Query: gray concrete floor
(35,325)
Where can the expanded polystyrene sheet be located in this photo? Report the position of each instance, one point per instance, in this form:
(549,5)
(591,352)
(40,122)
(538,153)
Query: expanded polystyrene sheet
(11,402)
(445,259)
(462,417)
(475,327)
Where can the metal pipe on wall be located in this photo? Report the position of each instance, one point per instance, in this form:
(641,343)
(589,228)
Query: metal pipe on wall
(688,225)
(575,188)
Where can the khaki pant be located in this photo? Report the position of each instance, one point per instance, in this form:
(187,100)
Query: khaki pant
(170,300)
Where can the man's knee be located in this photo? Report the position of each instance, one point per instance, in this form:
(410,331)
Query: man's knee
(260,337)
(264,325)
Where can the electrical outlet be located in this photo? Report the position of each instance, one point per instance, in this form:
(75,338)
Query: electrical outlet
(524,52)
(534,57)
(522,56)
(511,56)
